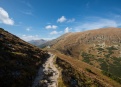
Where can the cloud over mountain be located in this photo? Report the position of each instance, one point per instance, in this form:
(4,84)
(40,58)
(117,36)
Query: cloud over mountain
(67,29)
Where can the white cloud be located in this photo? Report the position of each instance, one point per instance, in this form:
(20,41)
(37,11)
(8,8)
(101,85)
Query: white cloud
(28,28)
(48,27)
(71,20)
(30,37)
(34,37)
(4,17)
(56,32)
(49,38)
(67,29)
(96,23)
(51,27)
(62,19)
(53,32)
(54,26)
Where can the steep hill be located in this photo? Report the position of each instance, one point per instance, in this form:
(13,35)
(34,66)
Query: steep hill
(37,42)
(19,61)
(100,48)
(77,73)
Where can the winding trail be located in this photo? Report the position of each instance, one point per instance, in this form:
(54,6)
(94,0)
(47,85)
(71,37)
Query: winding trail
(47,75)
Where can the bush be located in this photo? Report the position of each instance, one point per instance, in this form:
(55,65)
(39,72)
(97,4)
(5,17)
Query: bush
(100,49)
(86,57)
(112,76)
(111,48)
(90,71)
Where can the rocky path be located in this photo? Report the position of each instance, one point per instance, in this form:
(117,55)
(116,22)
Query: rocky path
(47,75)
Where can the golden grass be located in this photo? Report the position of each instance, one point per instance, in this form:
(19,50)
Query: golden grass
(81,66)
(60,81)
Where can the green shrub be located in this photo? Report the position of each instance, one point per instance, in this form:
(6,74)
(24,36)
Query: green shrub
(112,76)
(111,48)
(90,71)
(86,57)
(100,49)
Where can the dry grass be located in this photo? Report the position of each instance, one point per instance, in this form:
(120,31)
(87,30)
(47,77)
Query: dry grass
(19,61)
(98,43)
(82,66)
(60,81)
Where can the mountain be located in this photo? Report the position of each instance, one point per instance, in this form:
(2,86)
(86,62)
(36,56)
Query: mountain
(19,61)
(54,41)
(37,42)
(83,59)
(99,48)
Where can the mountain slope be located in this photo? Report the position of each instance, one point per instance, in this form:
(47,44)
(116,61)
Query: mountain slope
(54,41)
(100,48)
(19,61)
(77,73)
(37,42)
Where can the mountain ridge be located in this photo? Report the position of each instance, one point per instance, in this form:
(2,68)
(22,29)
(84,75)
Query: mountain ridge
(88,57)
(37,42)
(100,48)
(19,61)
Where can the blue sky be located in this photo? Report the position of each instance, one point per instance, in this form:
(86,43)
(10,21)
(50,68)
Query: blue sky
(48,19)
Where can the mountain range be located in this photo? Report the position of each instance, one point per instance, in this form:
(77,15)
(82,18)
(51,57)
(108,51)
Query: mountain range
(84,59)
(100,48)
(37,42)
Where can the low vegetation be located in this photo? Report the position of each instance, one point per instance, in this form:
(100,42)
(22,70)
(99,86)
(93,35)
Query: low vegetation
(74,78)
(87,57)
(112,76)
(90,71)
(19,61)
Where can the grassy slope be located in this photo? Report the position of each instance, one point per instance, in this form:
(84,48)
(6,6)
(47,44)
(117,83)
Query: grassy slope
(19,61)
(100,48)
(81,67)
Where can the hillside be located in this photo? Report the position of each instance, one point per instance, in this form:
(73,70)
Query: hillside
(84,59)
(100,48)
(37,42)
(75,73)
(19,61)
(54,41)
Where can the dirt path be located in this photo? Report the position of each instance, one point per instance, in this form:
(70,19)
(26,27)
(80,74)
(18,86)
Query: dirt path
(47,75)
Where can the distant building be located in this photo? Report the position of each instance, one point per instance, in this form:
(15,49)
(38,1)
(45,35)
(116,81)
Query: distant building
(48,46)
